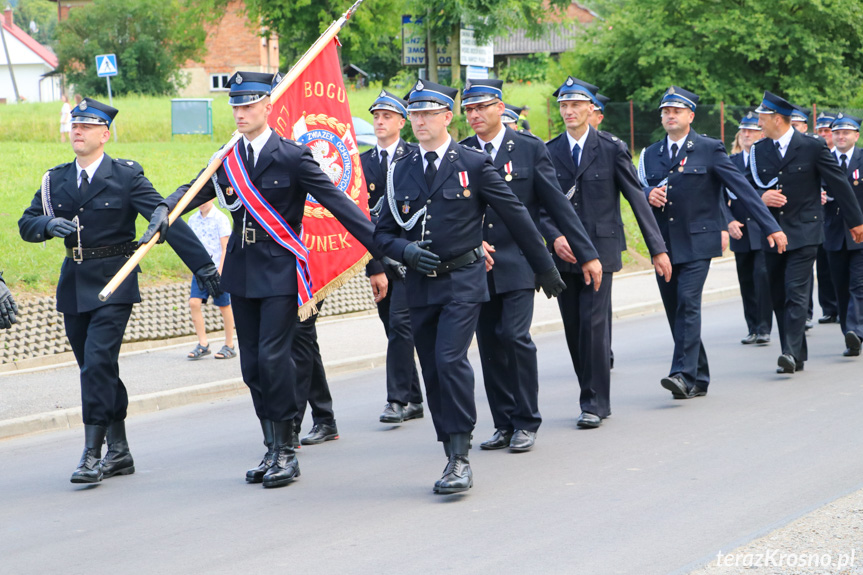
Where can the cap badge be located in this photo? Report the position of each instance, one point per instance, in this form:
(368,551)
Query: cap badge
(840,116)
(83,105)
(569,81)
(239,79)
(383,94)
(420,86)
(671,90)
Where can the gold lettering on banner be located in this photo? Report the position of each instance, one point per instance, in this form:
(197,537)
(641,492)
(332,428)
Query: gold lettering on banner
(328,243)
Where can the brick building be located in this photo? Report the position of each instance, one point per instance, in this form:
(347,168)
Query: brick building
(233,43)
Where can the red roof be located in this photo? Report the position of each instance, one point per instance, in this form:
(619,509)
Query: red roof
(37,48)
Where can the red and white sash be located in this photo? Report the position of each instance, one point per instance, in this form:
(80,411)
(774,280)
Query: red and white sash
(270,220)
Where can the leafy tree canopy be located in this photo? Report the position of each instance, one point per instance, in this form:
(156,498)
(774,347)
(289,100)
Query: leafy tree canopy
(42,14)
(731,50)
(152,40)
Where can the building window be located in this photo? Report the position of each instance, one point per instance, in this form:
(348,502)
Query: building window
(219,82)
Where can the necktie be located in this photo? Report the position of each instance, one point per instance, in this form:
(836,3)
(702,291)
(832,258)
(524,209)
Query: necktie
(250,155)
(576,152)
(778,152)
(489,148)
(384,163)
(843,161)
(674,149)
(85,183)
(431,169)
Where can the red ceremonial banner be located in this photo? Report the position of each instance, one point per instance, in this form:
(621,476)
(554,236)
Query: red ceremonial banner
(314,111)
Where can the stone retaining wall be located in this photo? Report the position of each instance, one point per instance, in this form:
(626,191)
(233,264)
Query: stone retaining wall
(163,314)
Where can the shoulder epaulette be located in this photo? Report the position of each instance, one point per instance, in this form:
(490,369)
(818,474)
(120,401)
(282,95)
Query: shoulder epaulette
(608,136)
(557,137)
(527,134)
(290,141)
(58,166)
(127,163)
(471,149)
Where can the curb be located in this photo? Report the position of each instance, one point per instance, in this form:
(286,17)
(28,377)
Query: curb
(148,403)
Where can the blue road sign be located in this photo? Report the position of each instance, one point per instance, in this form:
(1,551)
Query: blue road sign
(106,65)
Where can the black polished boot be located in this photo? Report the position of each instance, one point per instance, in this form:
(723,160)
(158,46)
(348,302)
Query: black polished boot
(457,476)
(285,467)
(446,450)
(118,460)
(90,468)
(256,475)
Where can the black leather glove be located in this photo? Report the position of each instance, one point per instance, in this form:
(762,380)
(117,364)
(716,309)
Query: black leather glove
(158,224)
(417,257)
(8,307)
(60,227)
(208,279)
(550,282)
(396,268)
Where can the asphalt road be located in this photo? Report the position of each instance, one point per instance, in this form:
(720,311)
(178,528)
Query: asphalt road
(661,487)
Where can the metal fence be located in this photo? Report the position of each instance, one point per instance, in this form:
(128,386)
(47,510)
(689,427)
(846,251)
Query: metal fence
(639,125)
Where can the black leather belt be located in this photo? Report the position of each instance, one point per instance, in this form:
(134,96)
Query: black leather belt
(81,254)
(254,235)
(466,258)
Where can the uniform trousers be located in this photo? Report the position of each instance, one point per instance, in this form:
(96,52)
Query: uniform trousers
(846,267)
(790,276)
(403,382)
(442,335)
(95,337)
(586,323)
(682,300)
(508,357)
(312,386)
(265,332)
(828,296)
(755,291)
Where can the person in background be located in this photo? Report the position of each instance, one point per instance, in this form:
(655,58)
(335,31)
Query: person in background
(65,118)
(523,117)
(213,229)
(827,294)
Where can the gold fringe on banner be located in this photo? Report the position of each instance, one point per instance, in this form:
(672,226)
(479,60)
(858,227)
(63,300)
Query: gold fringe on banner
(310,308)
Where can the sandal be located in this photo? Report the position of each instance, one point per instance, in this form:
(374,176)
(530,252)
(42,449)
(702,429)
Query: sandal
(199,352)
(225,353)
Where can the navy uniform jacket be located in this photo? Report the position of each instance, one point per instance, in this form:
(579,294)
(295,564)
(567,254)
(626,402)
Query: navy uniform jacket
(836,234)
(604,172)
(807,163)
(376,183)
(453,223)
(534,184)
(692,219)
(118,192)
(284,173)
(751,240)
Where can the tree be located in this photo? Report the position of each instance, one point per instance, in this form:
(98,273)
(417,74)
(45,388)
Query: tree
(371,40)
(152,40)
(42,14)
(732,50)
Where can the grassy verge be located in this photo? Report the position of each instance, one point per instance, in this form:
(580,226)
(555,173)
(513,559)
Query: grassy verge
(30,135)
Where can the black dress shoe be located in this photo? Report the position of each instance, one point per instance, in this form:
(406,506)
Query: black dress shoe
(852,340)
(697,392)
(809,324)
(828,319)
(588,420)
(751,338)
(89,469)
(763,339)
(118,459)
(787,363)
(394,412)
(499,440)
(522,440)
(321,432)
(413,411)
(676,385)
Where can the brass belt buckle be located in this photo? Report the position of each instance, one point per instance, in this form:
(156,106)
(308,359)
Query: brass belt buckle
(77,255)
(432,275)
(249,235)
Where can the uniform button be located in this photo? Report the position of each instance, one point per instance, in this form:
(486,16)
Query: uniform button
(406,197)
(670,171)
(670,203)
(428,201)
(670,219)
(491,226)
(80,227)
(428,232)
(780,172)
(59,205)
(276,181)
(576,204)
(80,209)
(107,204)
(669,187)
(781,213)
(428,217)
(38,235)
(704,227)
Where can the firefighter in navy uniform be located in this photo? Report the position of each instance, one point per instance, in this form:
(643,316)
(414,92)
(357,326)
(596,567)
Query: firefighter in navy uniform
(845,255)
(260,274)
(596,168)
(404,395)
(436,199)
(683,176)
(507,352)
(93,203)
(790,170)
(827,293)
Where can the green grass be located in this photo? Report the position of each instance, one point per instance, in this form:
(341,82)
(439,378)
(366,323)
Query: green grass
(30,145)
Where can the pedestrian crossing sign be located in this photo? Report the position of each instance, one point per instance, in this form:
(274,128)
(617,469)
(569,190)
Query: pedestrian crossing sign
(106,65)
